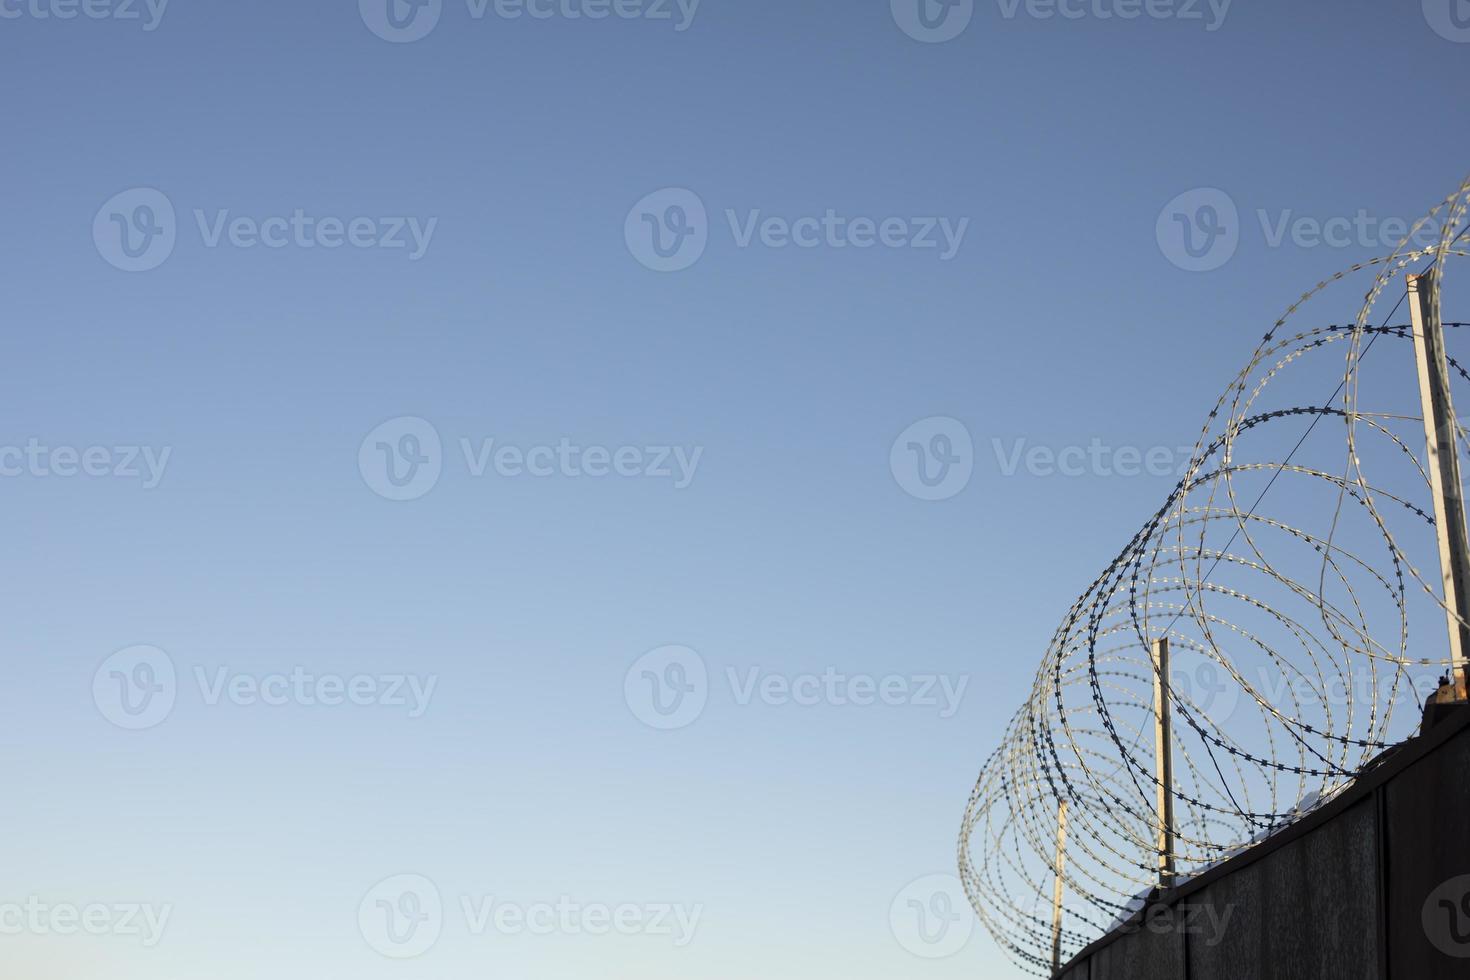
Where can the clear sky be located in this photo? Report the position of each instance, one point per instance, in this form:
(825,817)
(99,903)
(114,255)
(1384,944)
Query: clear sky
(275,275)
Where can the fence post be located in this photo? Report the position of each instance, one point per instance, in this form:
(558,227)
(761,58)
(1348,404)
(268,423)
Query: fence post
(1164,762)
(1443,463)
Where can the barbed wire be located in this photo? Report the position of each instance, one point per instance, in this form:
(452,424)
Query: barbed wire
(1289,633)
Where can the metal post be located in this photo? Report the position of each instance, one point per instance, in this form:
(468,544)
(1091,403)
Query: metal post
(1443,464)
(1164,762)
(1056,899)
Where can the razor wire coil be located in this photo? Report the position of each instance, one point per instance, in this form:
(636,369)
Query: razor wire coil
(1290,630)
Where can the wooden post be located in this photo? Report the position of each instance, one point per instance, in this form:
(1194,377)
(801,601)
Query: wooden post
(1443,463)
(1057,891)
(1164,762)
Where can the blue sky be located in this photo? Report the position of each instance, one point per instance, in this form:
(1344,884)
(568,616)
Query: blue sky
(762,520)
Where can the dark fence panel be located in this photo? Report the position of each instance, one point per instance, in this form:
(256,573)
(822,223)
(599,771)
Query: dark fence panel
(1428,846)
(1322,886)
(1375,886)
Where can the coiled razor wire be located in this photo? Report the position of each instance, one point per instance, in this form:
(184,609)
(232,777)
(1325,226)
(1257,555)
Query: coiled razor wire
(1288,620)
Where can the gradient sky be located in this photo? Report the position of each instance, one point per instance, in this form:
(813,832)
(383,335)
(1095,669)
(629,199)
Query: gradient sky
(1062,317)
